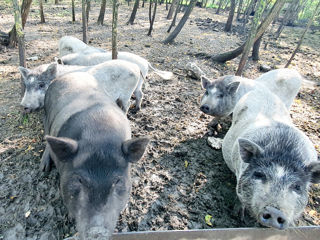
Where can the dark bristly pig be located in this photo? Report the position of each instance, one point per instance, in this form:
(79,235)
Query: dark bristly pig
(119,79)
(274,162)
(222,94)
(89,140)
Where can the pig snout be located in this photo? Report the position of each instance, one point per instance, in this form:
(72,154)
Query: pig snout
(272,217)
(205,108)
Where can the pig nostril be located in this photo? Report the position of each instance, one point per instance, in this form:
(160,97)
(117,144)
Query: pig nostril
(281,220)
(204,108)
(266,216)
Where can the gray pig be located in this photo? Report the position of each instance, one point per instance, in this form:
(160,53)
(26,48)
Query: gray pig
(117,78)
(89,141)
(274,162)
(222,94)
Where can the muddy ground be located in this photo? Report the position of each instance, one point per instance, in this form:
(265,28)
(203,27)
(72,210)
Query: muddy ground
(181,179)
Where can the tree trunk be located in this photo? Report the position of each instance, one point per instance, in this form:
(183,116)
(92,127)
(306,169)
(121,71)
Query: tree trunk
(102,12)
(174,5)
(303,34)
(115,7)
(261,29)
(255,50)
(226,5)
(239,9)
(173,23)
(42,19)
(230,18)
(219,7)
(56,1)
(134,12)
(84,22)
(25,8)
(251,37)
(73,12)
(151,20)
(246,14)
(88,10)
(183,20)
(143,3)
(20,36)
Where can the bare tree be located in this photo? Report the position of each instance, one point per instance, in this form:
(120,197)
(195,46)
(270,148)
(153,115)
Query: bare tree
(261,29)
(219,7)
(84,22)
(173,23)
(174,4)
(152,18)
(20,36)
(115,6)
(88,9)
(102,12)
(251,37)
(134,12)
(230,18)
(25,8)
(73,12)
(42,19)
(303,34)
(183,20)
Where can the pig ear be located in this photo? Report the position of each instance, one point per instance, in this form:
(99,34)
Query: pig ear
(62,147)
(248,150)
(205,82)
(52,69)
(133,149)
(314,169)
(233,87)
(24,72)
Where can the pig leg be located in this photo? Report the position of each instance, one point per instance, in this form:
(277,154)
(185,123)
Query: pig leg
(46,161)
(139,94)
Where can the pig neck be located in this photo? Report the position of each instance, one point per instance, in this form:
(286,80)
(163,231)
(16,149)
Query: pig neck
(244,87)
(64,69)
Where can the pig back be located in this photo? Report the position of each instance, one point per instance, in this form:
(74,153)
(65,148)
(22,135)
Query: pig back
(70,94)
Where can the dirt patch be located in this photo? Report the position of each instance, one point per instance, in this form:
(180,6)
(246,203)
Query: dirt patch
(181,179)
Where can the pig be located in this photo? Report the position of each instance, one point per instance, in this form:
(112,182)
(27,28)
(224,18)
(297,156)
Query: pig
(69,44)
(118,79)
(223,93)
(89,141)
(274,162)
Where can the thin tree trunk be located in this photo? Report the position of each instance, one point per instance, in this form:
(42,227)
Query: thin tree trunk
(246,15)
(41,12)
(251,37)
(173,23)
(303,34)
(115,7)
(153,17)
(143,3)
(174,4)
(88,10)
(56,1)
(239,9)
(84,22)
(134,12)
(219,7)
(230,18)
(20,36)
(255,50)
(73,12)
(25,8)
(183,20)
(102,12)
(261,29)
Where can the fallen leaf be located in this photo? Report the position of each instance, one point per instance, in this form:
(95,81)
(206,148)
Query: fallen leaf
(208,219)
(27,214)
(186,163)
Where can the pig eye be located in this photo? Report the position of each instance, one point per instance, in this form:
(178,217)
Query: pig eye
(41,85)
(297,188)
(259,176)
(206,93)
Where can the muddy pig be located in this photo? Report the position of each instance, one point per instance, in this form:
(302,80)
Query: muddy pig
(119,79)
(89,141)
(274,162)
(223,93)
